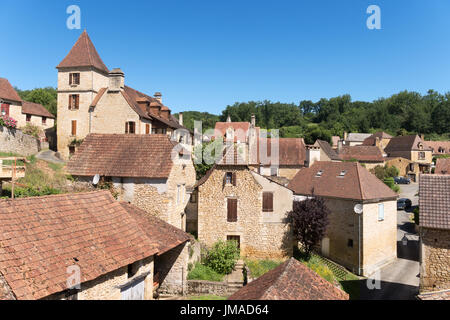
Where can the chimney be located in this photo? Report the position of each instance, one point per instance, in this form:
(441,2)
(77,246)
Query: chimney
(312,155)
(180,118)
(158,96)
(116,80)
(144,104)
(345,136)
(422,136)
(228,118)
(253,121)
(339,148)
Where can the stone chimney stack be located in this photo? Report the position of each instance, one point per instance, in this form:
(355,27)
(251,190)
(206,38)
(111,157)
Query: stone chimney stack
(116,80)
(345,136)
(253,120)
(228,118)
(180,118)
(312,155)
(158,96)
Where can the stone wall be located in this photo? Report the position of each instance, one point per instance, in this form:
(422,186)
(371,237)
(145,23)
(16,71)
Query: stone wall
(15,141)
(172,269)
(262,234)
(435,259)
(201,287)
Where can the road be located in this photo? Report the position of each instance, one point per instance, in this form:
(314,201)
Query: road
(400,279)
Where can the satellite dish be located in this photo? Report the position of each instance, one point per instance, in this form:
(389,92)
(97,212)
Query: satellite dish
(96,179)
(358,208)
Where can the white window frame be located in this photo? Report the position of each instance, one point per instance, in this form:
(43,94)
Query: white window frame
(381,212)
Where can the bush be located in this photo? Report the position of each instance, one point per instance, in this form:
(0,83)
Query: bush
(416,215)
(31,130)
(391,184)
(222,257)
(202,272)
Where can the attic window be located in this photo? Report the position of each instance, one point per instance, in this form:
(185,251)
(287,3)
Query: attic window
(342,174)
(319,173)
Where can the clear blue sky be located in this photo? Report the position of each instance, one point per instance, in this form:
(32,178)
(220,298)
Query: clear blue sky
(204,55)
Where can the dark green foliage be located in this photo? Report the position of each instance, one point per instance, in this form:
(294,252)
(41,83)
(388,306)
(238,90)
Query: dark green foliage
(202,272)
(385,172)
(208,120)
(222,257)
(389,181)
(416,215)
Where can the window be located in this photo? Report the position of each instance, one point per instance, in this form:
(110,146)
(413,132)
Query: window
(235,238)
(193,197)
(231,210)
(319,173)
(230,178)
(421,155)
(273,171)
(267,202)
(28,117)
(74,127)
(380,211)
(147,128)
(130,127)
(74,101)
(350,243)
(132,269)
(342,174)
(44,120)
(74,79)
(5,109)
(71,150)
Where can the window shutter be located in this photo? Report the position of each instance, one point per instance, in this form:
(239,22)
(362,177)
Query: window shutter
(126,127)
(70,78)
(147,128)
(232,210)
(267,202)
(74,127)
(70,101)
(234,179)
(77,101)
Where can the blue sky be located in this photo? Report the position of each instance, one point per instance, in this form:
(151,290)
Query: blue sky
(204,55)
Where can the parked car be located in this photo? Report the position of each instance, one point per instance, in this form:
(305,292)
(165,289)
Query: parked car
(403,203)
(402,180)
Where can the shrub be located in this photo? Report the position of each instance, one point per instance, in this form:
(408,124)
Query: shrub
(8,122)
(416,215)
(202,272)
(223,256)
(391,184)
(31,130)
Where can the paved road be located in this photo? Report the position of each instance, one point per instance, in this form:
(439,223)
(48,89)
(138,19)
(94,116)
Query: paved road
(50,156)
(400,279)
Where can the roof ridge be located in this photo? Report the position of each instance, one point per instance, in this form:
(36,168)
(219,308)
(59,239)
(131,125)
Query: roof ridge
(53,196)
(87,46)
(283,267)
(359,180)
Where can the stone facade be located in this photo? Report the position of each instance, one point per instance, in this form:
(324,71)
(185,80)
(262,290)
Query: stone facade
(15,141)
(435,259)
(172,270)
(262,234)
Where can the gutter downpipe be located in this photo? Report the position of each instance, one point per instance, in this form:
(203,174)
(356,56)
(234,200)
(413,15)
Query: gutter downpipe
(359,243)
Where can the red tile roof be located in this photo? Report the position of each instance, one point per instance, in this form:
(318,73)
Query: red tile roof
(405,143)
(292,151)
(328,150)
(361,153)
(357,183)
(123,155)
(7,91)
(36,109)
(162,234)
(381,135)
(40,237)
(240,130)
(438,147)
(434,201)
(291,280)
(442,166)
(83,54)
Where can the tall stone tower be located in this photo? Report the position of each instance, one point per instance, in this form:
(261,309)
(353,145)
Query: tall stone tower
(80,76)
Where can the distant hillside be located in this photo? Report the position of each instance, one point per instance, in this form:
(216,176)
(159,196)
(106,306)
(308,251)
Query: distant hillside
(208,120)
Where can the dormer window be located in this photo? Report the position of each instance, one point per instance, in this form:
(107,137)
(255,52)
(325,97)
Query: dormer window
(319,173)
(342,174)
(420,145)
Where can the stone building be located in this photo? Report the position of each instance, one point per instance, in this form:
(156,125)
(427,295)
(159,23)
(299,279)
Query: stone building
(149,171)
(93,99)
(86,246)
(327,153)
(354,138)
(414,149)
(237,203)
(362,230)
(406,168)
(23,112)
(379,139)
(369,156)
(291,280)
(434,221)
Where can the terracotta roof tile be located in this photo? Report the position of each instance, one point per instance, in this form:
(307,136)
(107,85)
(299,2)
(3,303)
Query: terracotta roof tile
(291,280)
(83,54)
(292,151)
(361,153)
(357,137)
(356,183)
(381,135)
(405,143)
(329,151)
(36,109)
(438,147)
(40,237)
(7,91)
(123,155)
(442,166)
(434,201)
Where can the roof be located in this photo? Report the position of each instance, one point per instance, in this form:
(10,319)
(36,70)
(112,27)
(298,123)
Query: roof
(381,135)
(438,147)
(41,237)
(163,235)
(442,166)
(335,141)
(240,129)
(123,155)
(292,151)
(434,201)
(405,143)
(35,109)
(357,183)
(7,91)
(435,295)
(83,54)
(291,280)
(357,137)
(329,151)
(361,153)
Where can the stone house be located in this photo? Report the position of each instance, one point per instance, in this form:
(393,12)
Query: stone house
(354,138)
(379,139)
(234,202)
(434,222)
(86,246)
(93,99)
(149,171)
(23,112)
(438,147)
(406,168)
(363,241)
(369,156)
(291,280)
(414,149)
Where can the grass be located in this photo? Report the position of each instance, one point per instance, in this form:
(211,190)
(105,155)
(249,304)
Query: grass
(55,166)
(202,272)
(259,267)
(206,297)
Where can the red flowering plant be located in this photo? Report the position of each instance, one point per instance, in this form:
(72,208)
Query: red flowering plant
(8,122)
